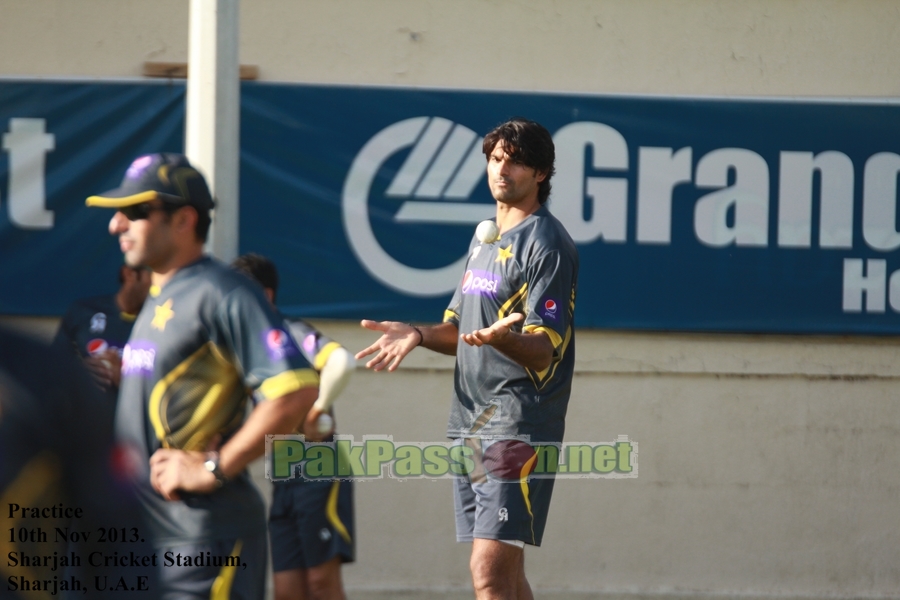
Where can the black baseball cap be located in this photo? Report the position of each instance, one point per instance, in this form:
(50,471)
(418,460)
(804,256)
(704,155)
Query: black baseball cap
(164,176)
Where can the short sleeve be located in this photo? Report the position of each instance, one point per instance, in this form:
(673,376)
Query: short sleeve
(266,354)
(315,346)
(551,303)
(451,313)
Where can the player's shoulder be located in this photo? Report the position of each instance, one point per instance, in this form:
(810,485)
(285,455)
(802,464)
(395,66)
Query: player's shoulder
(210,275)
(300,328)
(548,232)
(212,287)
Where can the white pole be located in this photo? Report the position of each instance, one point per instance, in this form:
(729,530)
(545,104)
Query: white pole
(212,139)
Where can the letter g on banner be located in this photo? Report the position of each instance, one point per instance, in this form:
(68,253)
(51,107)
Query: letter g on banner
(454,164)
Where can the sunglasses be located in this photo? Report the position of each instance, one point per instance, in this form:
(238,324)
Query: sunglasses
(143,210)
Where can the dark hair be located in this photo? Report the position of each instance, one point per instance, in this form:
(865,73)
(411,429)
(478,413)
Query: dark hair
(204,220)
(528,142)
(260,269)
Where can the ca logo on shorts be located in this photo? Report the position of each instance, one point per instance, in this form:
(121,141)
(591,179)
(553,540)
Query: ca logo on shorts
(504,514)
(438,177)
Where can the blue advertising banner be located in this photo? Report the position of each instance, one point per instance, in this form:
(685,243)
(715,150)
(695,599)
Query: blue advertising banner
(690,214)
(61,143)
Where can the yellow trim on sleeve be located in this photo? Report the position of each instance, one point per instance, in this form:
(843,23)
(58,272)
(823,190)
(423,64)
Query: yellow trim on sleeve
(449,316)
(287,382)
(323,354)
(221,587)
(555,338)
(332,514)
(542,377)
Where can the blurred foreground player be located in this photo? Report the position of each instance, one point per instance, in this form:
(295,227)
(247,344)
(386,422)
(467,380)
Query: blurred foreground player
(59,469)
(510,325)
(311,522)
(97,328)
(205,338)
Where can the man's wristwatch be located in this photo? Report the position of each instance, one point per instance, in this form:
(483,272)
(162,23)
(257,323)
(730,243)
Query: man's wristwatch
(212,465)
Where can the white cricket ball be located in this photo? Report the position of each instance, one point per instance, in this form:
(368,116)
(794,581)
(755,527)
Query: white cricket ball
(325,424)
(487,232)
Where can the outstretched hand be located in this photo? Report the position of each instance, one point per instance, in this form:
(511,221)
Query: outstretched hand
(396,341)
(494,333)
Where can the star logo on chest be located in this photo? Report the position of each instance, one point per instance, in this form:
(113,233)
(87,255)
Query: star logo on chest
(162,315)
(503,254)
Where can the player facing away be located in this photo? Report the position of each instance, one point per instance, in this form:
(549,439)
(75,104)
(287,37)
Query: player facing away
(96,328)
(311,528)
(203,339)
(510,325)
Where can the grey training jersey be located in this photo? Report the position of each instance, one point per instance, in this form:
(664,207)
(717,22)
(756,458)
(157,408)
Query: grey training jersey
(532,269)
(199,346)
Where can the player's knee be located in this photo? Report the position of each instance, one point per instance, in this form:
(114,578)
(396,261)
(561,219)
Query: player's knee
(487,575)
(323,582)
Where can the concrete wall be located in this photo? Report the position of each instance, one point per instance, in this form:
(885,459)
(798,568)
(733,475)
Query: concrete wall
(768,465)
(767,47)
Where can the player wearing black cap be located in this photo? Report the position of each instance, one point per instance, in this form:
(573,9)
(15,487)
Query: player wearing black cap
(205,337)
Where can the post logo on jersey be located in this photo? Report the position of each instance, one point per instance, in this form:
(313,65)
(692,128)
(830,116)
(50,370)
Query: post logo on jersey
(435,182)
(550,308)
(279,344)
(481,283)
(139,358)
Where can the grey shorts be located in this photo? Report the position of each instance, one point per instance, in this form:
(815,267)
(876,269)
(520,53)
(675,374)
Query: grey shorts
(511,507)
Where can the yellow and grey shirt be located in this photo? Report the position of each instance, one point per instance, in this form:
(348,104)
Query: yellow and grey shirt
(200,346)
(532,269)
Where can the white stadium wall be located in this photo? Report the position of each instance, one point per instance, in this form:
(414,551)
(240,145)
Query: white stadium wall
(769,465)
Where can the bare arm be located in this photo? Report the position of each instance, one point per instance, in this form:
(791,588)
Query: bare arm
(531,350)
(277,416)
(172,471)
(399,339)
